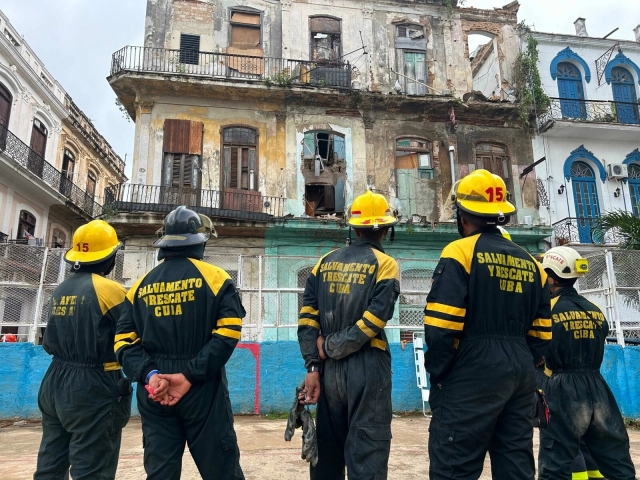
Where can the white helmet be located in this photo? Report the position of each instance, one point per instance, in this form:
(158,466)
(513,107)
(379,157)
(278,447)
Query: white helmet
(504,232)
(565,262)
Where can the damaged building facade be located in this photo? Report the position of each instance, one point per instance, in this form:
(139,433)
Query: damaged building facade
(271,116)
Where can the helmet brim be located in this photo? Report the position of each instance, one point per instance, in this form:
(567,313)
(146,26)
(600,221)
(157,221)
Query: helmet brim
(181,240)
(372,222)
(487,209)
(89,258)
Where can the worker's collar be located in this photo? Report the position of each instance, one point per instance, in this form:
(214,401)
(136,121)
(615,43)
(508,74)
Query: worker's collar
(489,230)
(564,291)
(368,242)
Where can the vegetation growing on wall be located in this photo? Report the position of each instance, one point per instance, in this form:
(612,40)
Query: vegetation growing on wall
(529,92)
(123,110)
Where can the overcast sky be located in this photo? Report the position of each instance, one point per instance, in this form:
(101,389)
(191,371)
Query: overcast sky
(75,40)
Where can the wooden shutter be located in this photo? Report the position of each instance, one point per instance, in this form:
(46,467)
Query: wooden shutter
(38,140)
(182,136)
(233,168)
(5,106)
(189,48)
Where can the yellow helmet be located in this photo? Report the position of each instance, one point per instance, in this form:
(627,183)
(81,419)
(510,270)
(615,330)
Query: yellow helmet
(93,242)
(484,194)
(371,210)
(504,233)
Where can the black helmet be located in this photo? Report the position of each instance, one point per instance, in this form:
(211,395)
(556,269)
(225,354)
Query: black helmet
(184,227)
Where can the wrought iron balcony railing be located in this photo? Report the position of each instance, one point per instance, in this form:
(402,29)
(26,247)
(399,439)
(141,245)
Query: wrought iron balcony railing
(226,66)
(596,111)
(583,230)
(231,203)
(27,158)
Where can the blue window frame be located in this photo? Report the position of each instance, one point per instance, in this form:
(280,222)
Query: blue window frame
(624,94)
(634,187)
(570,91)
(585,195)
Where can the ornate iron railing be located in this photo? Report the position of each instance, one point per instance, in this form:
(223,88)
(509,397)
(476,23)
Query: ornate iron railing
(583,230)
(276,71)
(597,111)
(231,203)
(24,156)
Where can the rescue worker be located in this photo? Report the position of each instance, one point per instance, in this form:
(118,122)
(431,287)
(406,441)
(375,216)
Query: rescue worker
(349,296)
(486,325)
(84,398)
(181,323)
(580,402)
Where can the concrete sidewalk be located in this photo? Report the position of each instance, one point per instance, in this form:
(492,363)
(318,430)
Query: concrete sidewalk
(264,453)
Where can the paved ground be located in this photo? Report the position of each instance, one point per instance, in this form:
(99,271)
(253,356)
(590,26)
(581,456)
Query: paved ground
(265,454)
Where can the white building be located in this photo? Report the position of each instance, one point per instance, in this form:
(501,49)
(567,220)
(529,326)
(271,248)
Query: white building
(590,137)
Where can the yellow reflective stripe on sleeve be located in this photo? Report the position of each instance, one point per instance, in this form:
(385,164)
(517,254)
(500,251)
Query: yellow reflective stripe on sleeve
(594,474)
(542,322)
(227,332)
(236,322)
(387,267)
(438,322)
(367,331)
(579,476)
(124,343)
(377,343)
(448,309)
(309,310)
(111,366)
(375,320)
(123,336)
(308,323)
(540,335)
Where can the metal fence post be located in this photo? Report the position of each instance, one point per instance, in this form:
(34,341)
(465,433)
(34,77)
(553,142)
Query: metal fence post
(608,256)
(36,317)
(259,319)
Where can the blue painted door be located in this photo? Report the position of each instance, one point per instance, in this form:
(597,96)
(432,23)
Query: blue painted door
(570,91)
(634,187)
(585,196)
(624,94)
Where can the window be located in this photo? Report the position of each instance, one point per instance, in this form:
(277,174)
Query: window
(634,187)
(495,158)
(182,145)
(68,165)
(624,94)
(6,99)
(413,163)
(324,169)
(570,91)
(240,169)
(26,225)
(411,46)
(59,238)
(585,196)
(91,184)
(189,48)
(245,31)
(38,145)
(325,42)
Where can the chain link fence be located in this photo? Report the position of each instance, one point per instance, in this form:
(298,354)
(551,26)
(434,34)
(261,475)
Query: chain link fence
(271,289)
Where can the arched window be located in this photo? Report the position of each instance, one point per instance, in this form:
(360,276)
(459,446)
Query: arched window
(68,166)
(58,238)
(634,187)
(6,99)
(624,94)
(26,225)
(570,91)
(585,195)
(38,146)
(91,184)
(240,170)
(413,162)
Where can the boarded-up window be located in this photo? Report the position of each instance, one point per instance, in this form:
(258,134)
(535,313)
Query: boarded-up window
(182,146)
(325,41)
(245,30)
(189,48)
(182,136)
(240,168)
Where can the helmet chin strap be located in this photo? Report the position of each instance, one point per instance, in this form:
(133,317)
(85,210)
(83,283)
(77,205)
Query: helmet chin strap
(349,238)
(459,222)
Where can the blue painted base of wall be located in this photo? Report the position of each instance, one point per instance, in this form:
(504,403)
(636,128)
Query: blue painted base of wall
(281,370)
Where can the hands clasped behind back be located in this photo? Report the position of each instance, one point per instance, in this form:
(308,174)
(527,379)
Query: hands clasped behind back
(168,389)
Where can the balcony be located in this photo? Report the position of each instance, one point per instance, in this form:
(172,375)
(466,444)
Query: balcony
(590,111)
(230,67)
(231,204)
(25,157)
(583,231)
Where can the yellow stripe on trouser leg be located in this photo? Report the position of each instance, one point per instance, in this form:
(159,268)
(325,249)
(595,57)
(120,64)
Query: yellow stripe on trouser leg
(594,474)
(579,476)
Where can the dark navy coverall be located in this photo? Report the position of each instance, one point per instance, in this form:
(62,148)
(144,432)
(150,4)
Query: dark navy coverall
(486,325)
(349,296)
(580,401)
(184,316)
(82,412)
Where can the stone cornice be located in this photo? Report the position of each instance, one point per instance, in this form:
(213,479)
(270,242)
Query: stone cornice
(575,40)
